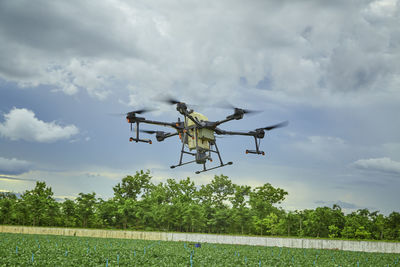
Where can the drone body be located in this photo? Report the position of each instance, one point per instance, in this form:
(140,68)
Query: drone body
(197,134)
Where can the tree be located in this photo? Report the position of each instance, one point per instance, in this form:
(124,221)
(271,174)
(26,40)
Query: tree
(240,211)
(127,197)
(7,206)
(358,224)
(392,226)
(41,205)
(205,198)
(378,227)
(321,219)
(215,197)
(362,233)
(333,231)
(85,209)
(194,218)
(157,203)
(133,186)
(318,222)
(68,211)
(289,221)
(270,223)
(219,207)
(263,197)
(107,213)
(182,199)
(221,189)
(261,200)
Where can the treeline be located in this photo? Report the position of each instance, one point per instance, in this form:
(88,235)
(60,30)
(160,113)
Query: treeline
(218,207)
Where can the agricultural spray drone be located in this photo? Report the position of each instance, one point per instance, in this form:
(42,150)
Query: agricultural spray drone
(197,133)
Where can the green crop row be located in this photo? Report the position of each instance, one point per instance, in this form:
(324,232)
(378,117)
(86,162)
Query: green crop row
(41,250)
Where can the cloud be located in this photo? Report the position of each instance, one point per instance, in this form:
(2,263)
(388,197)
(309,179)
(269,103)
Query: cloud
(14,166)
(342,204)
(15,178)
(381,9)
(321,147)
(385,165)
(318,50)
(23,124)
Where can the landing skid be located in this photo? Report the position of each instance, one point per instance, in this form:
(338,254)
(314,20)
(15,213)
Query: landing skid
(216,151)
(205,169)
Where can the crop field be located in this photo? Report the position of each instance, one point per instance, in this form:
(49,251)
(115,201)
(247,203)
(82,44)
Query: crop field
(42,250)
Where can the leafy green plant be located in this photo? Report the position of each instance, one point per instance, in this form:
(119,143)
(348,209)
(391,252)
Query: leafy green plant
(42,250)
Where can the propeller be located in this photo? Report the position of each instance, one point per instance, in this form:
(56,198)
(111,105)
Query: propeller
(171,101)
(237,109)
(149,131)
(167,99)
(140,111)
(245,111)
(279,125)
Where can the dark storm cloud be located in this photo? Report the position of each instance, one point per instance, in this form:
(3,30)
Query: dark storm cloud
(14,166)
(57,28)
(82,44)
(16,178)
(342,204)
(379,165)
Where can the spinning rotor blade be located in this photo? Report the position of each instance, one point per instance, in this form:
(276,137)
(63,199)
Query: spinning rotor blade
(148,131)
(168,100)
(249,111)
(279,125)
(236,109)
(140,111)
(171,101)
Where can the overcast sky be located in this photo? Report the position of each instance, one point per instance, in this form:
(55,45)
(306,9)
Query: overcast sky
(332,68)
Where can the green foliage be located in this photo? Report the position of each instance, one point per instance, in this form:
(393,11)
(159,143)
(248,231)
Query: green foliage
(40,206)
(179,205)
(42,250)
(85,209)
(333,231)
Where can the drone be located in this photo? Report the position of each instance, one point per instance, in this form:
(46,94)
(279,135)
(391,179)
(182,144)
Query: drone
(197,133)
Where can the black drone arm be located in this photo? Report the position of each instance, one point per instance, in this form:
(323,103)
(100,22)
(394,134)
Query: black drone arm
(223,132)
(163,136)
(237,115)
(258,134)
(223,121)
(160,136)
(161,123)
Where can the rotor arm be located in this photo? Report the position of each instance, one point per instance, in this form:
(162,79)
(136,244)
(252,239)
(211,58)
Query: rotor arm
(257,135)
(167,135)
(161,136)
(175,125)
(229,118)
(131,118)
(237,115)
(223,132)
